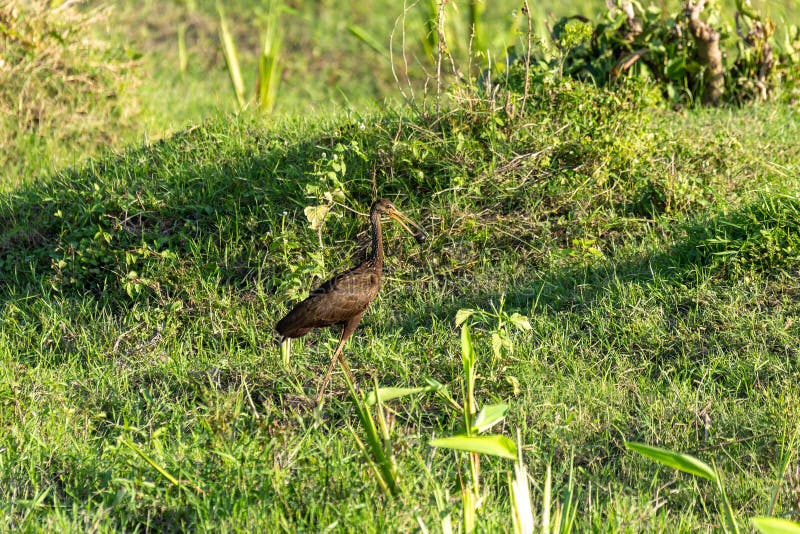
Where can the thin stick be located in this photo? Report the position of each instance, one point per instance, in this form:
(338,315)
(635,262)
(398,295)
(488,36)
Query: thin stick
(527,57)
(439,53)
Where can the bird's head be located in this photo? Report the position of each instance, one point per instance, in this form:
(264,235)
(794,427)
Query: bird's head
(385,207)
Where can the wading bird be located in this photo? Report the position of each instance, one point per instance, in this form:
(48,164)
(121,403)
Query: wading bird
(344,298)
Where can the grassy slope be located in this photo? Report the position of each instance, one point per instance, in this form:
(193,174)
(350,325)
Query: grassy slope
(601,222)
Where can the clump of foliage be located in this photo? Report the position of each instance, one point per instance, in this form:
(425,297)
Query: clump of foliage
(60,86)
(690,54)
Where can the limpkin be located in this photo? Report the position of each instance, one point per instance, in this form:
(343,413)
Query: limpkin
(344,298)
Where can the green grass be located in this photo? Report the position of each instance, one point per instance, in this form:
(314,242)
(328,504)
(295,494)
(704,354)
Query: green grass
(141,387)
(655,252)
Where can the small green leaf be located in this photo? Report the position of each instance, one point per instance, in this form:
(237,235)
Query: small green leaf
(681,462)
(489,416)
(462,315)
(494,445)
(385,394)
(520,321)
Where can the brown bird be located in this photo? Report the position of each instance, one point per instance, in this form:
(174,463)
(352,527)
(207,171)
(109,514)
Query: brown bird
(344,298)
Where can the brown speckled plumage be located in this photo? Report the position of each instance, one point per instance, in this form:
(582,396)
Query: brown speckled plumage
(344,298)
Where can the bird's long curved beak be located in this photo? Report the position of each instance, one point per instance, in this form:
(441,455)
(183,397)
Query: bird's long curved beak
(418,232)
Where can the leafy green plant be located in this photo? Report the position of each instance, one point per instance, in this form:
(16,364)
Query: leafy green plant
(378,449)
(328,187)
(474,423)
(269,63)
(664,48)
(500,323)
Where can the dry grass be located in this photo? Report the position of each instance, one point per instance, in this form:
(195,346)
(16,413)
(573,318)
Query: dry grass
(61,85)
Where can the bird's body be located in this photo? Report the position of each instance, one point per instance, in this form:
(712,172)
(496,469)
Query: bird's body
(344,298)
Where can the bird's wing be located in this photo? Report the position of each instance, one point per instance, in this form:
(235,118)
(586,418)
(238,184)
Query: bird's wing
(335,301)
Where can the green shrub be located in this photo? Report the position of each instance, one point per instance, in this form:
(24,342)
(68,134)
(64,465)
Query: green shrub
(759,60)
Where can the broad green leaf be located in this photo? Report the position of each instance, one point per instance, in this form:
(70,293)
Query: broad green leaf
(775,525)
(681,462)
(520,321)
(316,215)
(462,315)
(336,194)
(385,394)
(497,345)
(494,445)
(489,416)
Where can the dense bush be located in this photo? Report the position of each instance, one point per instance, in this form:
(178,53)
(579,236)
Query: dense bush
(688,58)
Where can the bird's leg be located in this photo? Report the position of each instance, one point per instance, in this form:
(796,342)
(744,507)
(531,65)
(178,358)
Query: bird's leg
(347,331)
(336,356)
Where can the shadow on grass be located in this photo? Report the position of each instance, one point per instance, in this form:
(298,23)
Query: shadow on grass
(763,236)
(220,192)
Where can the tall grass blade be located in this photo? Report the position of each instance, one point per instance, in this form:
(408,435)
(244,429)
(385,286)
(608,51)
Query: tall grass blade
(468,503)
(787,453)
(730,519)
(476,9)
(681,462)
(183,58)
(231,58)
(547,499)
(163,472)
(520,493)
(430,37)
(377,448)
(269,63)
(286,352)
(569,510)
(365,37)
(468,361)
(372,465)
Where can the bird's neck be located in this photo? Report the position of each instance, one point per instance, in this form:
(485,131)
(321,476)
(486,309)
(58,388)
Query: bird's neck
(377,240)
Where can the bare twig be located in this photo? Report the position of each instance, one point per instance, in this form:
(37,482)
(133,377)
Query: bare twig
(440,20)
(527,10)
